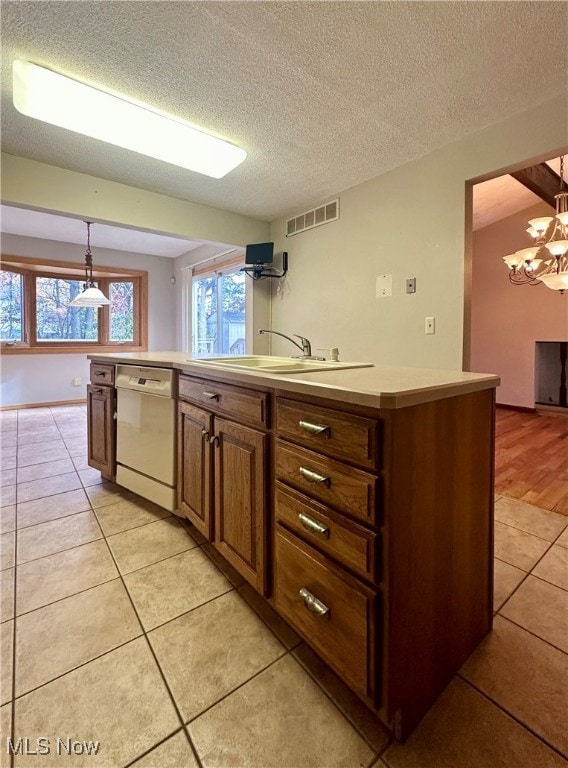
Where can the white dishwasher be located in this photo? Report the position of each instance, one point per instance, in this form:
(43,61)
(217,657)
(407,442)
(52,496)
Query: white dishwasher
(145,433)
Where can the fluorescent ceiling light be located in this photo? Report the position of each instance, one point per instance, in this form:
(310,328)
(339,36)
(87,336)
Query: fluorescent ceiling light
(55,99)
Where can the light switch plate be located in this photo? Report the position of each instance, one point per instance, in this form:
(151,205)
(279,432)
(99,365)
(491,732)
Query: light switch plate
(383,286)
(429,325)
(411,285)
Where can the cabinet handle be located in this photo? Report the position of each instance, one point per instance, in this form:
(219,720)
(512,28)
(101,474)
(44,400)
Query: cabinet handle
(314,477)
(314,429)
(100,373)
(214,441)
(313,604)
(205,434)
(97,391)
(211,395)
(313,525)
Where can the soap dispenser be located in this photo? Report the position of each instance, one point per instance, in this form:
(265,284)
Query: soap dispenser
(333,353)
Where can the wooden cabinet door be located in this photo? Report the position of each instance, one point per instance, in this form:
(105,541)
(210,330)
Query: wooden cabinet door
(194,467)
(240,499)
(101,429)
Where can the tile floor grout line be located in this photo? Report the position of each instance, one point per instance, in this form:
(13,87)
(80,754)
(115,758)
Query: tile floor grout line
(238,687)
(158,744)
(60,551)
(530,633)
(510,714)
(546,581)
(65,597)
(78,666)
(542,640)
(527,574)
(540,538)
(340,709)
(33,525)
(151,649)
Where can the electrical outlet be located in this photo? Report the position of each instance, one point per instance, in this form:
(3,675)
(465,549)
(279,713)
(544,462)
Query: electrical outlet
(430,325)
(411,285)
(77,381)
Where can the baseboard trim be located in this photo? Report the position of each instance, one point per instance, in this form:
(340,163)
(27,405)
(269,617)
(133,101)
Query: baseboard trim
(53,404)
(520,408)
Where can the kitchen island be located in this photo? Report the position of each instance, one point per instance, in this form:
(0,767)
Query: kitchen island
(357,502)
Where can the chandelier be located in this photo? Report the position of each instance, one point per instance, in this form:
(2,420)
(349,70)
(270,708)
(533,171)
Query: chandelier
(91,295)
(547,260)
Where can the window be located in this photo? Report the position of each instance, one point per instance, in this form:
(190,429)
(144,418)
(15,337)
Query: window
(55,319)
(11,306)
(35,313)
(219,312)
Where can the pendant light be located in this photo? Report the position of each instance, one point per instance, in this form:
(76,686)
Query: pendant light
(91,295)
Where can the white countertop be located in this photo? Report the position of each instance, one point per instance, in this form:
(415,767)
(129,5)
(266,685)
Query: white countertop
(376,386)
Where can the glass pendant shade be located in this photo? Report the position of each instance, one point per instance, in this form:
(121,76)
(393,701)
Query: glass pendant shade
(512,260)
(557,281)
(557,247)
(91,297)
(563,218)
(541,224)
(527,254)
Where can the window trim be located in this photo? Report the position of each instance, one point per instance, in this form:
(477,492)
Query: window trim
(31,268)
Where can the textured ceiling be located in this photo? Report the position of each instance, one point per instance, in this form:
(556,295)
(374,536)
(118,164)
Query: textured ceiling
(321,95)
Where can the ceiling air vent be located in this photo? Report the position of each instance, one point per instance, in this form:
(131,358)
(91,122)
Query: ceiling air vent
(313,218)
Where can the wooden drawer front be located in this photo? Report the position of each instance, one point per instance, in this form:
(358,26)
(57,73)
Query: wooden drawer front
(339,434)
(348,490)
(102,374)
(242,404)
(350,544)
(344,635)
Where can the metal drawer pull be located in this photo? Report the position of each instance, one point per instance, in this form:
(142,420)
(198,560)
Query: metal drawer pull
(97,391)
(314,477)
(205,434)
(313,604)
(211,395)
(314,429)
(313,525)
(214,441)
(100,373)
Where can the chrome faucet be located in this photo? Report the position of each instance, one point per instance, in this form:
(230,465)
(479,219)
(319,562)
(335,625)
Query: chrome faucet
(305,346)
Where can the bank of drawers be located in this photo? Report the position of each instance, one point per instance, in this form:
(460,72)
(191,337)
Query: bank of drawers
(327,543)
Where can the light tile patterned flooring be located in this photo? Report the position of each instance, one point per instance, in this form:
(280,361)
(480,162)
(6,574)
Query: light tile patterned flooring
(119,625)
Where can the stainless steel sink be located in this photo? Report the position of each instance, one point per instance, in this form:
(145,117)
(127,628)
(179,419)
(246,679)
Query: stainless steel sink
(272,364)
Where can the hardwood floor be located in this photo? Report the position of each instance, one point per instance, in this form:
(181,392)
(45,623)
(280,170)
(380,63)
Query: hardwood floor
(531,458)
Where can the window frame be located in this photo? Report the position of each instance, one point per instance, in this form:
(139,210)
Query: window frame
(31,268)
(218,269)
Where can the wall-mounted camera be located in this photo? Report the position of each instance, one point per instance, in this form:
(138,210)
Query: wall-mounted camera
(259,258)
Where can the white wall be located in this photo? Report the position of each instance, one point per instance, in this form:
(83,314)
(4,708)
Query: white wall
(42,378)
(30,184)
(506,319)
(408,222)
